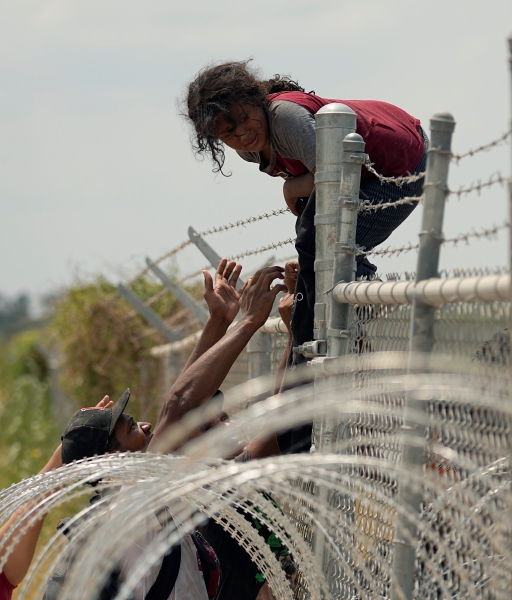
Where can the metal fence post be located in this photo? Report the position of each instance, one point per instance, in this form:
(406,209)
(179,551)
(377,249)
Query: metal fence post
(345,248)
(149,314)
(208,252)
(422,340)
(259,353)
(199,312)
(333,123)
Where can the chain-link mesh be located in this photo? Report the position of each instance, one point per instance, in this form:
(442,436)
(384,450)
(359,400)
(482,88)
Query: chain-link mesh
(456,530)
(453,538)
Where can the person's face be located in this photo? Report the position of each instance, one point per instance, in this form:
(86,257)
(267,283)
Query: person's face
(133,436)
(251,131)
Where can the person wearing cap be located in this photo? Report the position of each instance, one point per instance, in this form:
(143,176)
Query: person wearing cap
(97,430)
(18,561)
(94,431)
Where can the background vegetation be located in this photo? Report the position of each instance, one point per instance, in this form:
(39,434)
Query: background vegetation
(90,343)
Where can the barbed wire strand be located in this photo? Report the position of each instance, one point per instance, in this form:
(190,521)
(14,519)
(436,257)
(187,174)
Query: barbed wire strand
(489,233)
(262,249)
(172,252)
(479,186)
(495,178)
(398,181)
(244,222)
(194,274)
(457,157)
(366,206)
(227,227)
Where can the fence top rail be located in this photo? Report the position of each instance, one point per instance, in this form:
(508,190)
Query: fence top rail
(433,292)
(274,325)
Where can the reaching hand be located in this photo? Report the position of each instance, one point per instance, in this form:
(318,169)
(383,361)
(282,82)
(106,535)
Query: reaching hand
(285,309)
(257,295)
(105,403)
(222,298)
(291,271)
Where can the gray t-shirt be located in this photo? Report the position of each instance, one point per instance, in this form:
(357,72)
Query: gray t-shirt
(292,135)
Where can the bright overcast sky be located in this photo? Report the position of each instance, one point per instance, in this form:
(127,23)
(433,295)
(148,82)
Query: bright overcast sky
(96,171)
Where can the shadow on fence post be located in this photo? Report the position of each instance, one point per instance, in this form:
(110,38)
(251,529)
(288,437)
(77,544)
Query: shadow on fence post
(422,340)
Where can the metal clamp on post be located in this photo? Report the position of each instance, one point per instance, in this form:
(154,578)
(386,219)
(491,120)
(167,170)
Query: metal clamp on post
(340,248)
(350,203)
(311,349)
(357,159)
(320,323)
(340,333)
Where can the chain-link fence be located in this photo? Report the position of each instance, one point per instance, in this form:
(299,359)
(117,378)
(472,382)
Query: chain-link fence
(446,538)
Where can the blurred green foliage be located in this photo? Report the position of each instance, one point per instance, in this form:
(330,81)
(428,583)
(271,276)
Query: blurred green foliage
(28,433)
(104,343)
(102,346)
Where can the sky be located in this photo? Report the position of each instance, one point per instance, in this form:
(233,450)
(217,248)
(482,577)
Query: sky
(96,168)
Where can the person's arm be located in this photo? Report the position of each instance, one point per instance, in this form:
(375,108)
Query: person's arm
(202,379)
(223,303)
(298,187)
(18,561)
(291,271)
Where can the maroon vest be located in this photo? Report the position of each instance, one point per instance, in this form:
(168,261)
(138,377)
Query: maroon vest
(392,136)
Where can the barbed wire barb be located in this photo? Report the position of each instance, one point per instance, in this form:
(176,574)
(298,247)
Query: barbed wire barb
(457,157)
(244,222)
(366,206)
(490,233)
(398,181)
(479,186)
(172,252)
(262,249)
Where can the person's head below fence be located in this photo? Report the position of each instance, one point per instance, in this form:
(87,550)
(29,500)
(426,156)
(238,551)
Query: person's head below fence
(94,431)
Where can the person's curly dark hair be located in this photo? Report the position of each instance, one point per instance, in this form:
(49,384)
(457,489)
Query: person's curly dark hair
(214,89)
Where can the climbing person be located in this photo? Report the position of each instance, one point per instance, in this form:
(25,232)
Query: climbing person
(271,123)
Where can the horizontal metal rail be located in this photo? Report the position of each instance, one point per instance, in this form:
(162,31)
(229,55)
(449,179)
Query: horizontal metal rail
(273,325)
(432,292)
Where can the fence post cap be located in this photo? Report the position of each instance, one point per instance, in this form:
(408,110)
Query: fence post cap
(353,137)
(442,121)
(335,107)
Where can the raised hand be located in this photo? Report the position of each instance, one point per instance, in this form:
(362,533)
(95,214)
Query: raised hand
(105,402)
(291,271)
(222,298)
(285,309)
(257,295)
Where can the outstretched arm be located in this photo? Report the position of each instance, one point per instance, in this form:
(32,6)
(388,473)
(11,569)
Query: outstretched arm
(21,556)
(298,187)
(202,379)
(223,303)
